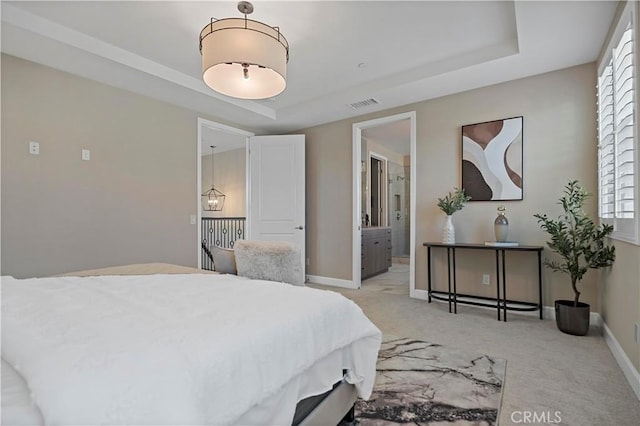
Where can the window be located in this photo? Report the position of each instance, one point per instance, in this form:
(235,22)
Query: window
(617,147)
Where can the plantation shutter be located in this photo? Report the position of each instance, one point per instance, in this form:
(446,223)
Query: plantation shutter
(616,131)
(606,148)
(624,114)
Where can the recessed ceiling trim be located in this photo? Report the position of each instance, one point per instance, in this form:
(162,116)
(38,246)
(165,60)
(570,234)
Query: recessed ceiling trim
(48,29)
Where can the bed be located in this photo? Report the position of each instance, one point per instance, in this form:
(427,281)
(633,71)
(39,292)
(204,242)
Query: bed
(162,344)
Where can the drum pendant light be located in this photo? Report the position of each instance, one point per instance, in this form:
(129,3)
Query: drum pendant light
(243,58)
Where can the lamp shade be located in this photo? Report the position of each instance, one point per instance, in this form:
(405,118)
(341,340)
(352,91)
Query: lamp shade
(243,58)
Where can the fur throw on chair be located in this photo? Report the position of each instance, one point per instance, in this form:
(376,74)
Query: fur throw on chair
(269,260)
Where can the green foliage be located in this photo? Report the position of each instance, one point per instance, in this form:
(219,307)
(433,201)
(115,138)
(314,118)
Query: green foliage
(453,202)
(576,238)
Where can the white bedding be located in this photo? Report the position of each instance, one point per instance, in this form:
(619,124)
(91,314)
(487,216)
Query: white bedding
(179,349)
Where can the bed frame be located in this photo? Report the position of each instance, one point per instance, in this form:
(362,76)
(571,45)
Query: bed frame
(330,408)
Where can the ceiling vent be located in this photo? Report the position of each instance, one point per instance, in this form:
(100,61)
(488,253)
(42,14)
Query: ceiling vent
(364,104)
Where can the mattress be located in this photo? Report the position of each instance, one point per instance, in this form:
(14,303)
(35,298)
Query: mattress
(138,269)
(18,406)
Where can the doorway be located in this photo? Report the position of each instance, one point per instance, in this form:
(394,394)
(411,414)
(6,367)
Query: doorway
(377,205)
(398,201)
(251,208)
(229,141)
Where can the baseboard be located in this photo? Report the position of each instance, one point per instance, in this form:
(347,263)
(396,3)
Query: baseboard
(627,367)
(419,294)
(335,282)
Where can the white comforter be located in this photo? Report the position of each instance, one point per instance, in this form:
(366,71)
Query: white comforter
(173,349)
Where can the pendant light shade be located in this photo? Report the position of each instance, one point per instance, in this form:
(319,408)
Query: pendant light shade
(212,200)
(243,58)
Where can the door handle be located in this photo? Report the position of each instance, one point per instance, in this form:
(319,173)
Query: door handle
(299,227)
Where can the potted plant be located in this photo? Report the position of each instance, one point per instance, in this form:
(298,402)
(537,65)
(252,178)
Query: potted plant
(451,203)
(580,244)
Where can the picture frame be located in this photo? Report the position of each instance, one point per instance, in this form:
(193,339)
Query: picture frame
(492,160)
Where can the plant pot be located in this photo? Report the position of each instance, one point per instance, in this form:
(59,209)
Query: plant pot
(572,319)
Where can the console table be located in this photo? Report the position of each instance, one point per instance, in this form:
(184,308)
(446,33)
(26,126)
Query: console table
(501,302)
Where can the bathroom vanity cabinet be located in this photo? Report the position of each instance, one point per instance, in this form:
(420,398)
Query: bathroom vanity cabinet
(376,251)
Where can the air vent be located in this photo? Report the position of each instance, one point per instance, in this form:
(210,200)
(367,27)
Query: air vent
(365,103)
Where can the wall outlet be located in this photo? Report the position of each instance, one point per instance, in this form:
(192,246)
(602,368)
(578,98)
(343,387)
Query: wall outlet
(86,155)
(486,279)
(637,333)
(34,148)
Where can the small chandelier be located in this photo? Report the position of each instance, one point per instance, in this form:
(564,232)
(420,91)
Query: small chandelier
(212,200)
(243,58)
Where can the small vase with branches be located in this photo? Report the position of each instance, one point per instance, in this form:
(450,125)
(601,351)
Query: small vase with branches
(451,203)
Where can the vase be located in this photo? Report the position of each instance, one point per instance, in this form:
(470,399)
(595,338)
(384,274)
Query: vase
(448,232)
(501,226)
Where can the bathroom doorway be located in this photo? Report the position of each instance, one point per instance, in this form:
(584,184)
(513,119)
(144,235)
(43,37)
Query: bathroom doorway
(384,202)
(377,204)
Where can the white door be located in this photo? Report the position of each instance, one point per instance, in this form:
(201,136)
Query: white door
(277,190)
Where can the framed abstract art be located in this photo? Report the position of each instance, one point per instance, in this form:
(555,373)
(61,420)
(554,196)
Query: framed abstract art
(492,160)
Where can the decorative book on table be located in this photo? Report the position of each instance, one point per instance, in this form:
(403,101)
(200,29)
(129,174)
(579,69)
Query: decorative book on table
(501,243)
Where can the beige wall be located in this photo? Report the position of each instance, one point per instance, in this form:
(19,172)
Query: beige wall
(559,145)
(230,169)
(131,203)
(621,298)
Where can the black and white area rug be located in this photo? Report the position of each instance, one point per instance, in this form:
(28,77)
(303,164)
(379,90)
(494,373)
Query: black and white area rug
(422,383)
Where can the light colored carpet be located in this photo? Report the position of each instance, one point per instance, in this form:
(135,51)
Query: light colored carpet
(548,372)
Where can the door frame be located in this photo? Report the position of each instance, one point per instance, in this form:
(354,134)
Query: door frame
(213,125)
(357,194)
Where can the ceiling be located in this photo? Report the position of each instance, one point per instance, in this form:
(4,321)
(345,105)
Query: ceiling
(396,52)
